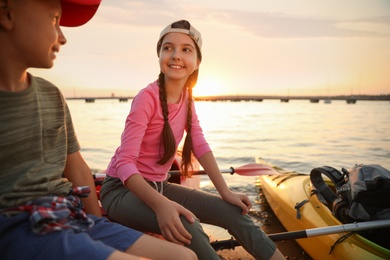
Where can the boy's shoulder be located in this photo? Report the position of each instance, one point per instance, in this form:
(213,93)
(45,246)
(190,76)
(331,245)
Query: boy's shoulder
(44,86)
(37,86)
(42,83)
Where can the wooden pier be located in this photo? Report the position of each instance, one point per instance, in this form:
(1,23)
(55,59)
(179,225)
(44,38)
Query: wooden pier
(93,99)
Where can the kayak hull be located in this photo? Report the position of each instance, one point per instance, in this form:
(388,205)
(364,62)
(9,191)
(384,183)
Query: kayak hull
(283,192)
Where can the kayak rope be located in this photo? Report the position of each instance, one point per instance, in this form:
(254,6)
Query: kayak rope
(299,205)
(341,239)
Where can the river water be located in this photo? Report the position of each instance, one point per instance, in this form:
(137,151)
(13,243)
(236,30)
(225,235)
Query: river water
(297,136)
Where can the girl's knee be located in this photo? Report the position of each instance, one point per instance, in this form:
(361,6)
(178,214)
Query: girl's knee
(185,253)
(194,228)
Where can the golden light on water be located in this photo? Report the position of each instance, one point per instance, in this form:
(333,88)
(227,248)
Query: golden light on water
(209,86)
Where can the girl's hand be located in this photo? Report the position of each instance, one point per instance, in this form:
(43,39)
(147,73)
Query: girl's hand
(168,218)
(239,199)
(211,167)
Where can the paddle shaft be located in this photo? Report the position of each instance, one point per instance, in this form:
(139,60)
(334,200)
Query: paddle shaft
(173,172)
(357,226)
(202,172)
(251,169)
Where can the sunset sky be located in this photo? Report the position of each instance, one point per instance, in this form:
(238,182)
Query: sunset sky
(250,47)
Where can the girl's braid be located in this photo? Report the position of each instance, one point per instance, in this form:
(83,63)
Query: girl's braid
(186,163)
(168,139)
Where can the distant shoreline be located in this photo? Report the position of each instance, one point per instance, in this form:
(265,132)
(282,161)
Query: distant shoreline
(286,98)
(258,98)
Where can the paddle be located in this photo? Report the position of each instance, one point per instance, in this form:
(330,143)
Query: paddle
(251,169)
(321,231)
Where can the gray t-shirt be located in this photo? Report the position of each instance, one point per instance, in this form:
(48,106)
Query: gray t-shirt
(36,134)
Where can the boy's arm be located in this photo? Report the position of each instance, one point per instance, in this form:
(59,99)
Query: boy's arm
(78,172)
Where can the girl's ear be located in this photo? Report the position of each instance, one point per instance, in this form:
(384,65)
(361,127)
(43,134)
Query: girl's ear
(197,64)
(6,17)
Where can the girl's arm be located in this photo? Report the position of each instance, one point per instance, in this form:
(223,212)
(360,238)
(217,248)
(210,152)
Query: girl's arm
(210,166)
(167,212)
(78,172)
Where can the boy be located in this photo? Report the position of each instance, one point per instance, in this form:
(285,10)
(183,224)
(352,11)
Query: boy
(42,173)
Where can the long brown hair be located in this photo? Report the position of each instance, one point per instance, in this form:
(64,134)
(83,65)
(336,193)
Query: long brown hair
(168,140)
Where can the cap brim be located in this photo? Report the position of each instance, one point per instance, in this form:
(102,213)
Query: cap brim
(78,12)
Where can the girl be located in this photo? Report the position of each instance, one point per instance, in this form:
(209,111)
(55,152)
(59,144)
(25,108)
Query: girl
(136,192)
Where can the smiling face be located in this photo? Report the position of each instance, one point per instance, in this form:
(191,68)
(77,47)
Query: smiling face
(36,32)
(178,57)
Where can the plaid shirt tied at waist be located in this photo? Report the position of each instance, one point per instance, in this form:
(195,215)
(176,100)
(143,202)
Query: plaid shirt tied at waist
(55,213)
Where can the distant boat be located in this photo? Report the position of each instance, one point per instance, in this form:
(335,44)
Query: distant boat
(328,101)
(314,100)
(351,101)
(285,100)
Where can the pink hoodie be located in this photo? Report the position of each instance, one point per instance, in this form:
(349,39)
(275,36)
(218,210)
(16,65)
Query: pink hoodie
(141,142)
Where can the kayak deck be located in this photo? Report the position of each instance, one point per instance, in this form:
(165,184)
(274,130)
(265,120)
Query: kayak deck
(284,191)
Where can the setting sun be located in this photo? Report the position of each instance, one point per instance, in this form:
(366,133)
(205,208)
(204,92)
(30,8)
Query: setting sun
(209,87)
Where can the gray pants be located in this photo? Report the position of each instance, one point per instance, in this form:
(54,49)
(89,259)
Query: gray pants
(124,207)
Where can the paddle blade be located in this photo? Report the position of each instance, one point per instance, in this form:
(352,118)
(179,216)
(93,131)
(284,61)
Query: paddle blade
(254,169)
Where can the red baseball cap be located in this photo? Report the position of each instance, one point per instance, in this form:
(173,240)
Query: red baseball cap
(78,12)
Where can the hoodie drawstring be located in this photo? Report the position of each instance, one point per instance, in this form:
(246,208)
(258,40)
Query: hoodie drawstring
(156,186)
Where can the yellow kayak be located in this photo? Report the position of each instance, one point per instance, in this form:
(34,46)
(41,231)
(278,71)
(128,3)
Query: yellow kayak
(284,191)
